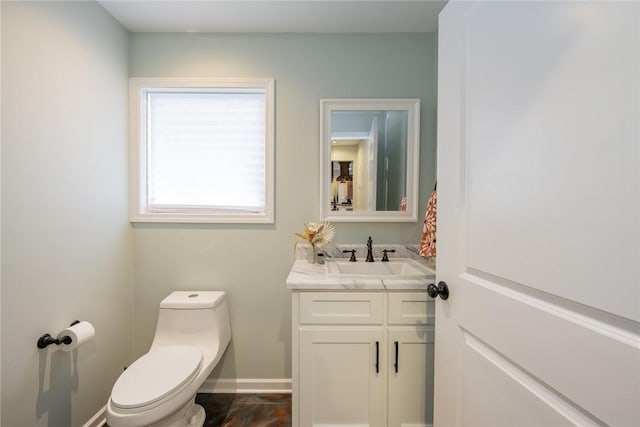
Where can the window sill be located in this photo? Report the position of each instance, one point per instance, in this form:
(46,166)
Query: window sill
(199,218)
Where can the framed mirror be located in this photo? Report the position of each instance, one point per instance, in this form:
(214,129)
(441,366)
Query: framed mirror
(369,154)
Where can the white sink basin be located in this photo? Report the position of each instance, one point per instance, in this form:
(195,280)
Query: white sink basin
(396,268)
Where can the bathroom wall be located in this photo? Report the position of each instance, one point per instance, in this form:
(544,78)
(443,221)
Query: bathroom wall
(251,262)
(66,239)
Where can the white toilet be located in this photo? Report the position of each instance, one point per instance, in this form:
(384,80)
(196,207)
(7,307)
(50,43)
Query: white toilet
(159,389)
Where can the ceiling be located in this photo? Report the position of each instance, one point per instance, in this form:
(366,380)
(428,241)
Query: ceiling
(266,16)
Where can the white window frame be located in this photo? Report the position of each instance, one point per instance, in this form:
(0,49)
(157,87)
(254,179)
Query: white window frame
(139,209)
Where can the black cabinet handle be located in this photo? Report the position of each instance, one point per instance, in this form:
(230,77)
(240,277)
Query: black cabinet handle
(395,365)
(377,357)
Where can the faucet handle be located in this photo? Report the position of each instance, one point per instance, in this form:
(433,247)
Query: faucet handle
(385,257)
(353,254)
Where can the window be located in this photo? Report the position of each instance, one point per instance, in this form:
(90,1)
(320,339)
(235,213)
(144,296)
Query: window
(202,150)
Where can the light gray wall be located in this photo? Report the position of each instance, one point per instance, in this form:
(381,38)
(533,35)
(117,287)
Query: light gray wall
(251,262)
(66,240)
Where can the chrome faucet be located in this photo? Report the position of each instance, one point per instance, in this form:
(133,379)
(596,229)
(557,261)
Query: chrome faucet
(369,250)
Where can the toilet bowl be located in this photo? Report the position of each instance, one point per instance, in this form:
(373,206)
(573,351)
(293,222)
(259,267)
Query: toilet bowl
(159,388)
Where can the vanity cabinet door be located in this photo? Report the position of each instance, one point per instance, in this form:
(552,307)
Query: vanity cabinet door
(342,376)
(410,367)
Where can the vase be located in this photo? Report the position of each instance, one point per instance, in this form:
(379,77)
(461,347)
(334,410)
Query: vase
(312,254)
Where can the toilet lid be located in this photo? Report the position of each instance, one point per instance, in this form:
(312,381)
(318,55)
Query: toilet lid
(155,376)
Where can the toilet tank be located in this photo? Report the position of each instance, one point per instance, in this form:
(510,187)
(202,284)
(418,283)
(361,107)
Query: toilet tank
(194,318)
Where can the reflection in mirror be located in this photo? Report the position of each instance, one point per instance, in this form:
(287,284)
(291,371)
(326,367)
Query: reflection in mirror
(341,183)
(370,159)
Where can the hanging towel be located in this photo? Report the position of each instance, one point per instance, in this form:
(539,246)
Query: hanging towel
(428,243)
(403,204)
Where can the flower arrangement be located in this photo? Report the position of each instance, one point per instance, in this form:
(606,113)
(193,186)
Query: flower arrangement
(317,234)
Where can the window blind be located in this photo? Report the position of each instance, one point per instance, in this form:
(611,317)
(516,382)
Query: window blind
(206,150)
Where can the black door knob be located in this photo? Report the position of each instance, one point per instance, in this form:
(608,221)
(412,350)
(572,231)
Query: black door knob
(442,289)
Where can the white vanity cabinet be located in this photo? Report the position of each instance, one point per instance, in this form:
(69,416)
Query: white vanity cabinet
(362,358)
(410,343)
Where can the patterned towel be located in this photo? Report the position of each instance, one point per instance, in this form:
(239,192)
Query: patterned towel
(428,243)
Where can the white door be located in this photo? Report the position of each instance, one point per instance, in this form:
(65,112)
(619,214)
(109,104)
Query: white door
(538,217)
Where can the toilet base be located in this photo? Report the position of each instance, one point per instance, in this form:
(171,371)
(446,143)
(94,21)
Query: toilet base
(198,417)
(190,415)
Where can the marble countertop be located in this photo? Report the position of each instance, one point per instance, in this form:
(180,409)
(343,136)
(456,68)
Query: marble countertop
(306,276)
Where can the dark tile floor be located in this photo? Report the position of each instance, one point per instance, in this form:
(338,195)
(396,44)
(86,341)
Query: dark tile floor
(246,410)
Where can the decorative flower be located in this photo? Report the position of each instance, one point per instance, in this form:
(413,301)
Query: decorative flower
(317,234)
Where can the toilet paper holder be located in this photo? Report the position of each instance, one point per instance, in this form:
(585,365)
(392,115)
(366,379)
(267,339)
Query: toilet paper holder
(46,340)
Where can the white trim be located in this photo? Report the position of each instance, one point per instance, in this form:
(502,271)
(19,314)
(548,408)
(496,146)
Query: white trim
(246,385)
(99,419)
(138,211)
(224,385)
(412,106)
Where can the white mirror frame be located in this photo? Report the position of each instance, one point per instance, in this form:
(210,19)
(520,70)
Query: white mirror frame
(412,106)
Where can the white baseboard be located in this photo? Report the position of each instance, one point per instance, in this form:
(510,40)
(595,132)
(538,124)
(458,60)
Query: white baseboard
(224,385)
(246,385)
(99,419)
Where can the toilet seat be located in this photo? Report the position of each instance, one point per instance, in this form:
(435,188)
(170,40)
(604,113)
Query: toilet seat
(156,377)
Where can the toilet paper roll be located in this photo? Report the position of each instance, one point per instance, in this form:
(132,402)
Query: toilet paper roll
(79,334)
